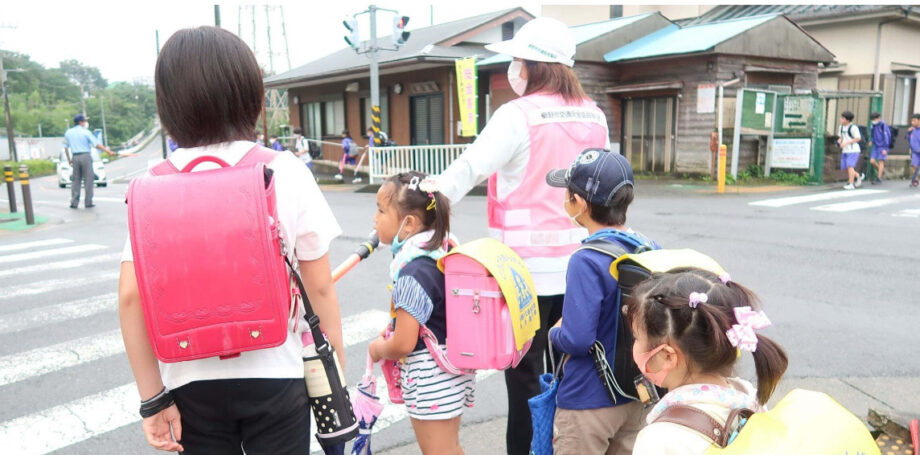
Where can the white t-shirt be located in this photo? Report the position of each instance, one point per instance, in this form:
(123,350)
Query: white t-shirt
(503,147)
(845,135)
(306,217)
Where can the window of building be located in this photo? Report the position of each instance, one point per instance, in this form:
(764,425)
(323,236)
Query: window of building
(904,90)
(427,119)
(323,118)
(365,106)
(507,31)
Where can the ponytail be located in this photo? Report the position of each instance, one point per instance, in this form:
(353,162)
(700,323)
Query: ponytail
(770,362)
(439,215)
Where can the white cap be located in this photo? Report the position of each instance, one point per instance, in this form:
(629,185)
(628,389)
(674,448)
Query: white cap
(543,39)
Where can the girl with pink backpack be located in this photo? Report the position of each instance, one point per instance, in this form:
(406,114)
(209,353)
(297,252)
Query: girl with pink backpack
(414,218)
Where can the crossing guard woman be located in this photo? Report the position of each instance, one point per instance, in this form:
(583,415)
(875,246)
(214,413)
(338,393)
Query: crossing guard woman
(551,122)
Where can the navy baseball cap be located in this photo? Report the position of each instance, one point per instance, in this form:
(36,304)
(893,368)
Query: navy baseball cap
(596,175)
(79,118)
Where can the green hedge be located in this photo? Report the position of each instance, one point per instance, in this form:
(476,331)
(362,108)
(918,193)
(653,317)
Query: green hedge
(37,168)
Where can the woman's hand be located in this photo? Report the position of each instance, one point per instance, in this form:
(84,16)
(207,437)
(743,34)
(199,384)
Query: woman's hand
(164,429)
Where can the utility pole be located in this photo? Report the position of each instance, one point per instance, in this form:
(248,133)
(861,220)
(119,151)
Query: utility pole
(375,78)
(105,135)
(6,110)
(399,38)
(268,31)
(217,16)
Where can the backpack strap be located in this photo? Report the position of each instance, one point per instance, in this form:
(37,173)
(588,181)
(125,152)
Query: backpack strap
(705,424)
(257,154)
(431,343)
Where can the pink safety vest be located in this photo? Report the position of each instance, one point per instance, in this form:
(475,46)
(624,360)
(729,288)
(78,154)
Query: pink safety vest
(531,219)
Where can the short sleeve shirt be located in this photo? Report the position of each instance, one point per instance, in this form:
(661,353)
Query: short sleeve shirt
(419,291)
(80,140)
(305,217)
(845,134)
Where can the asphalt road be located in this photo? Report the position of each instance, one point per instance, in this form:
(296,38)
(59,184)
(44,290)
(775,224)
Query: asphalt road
(836,277)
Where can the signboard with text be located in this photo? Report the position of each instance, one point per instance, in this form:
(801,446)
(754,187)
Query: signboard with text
(791,153)
(467,96)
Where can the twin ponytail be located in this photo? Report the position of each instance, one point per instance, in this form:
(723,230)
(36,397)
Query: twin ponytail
(661,306)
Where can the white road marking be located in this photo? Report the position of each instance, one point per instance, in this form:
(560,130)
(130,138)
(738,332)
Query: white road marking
(108,199)
(37,317)
(46,253)
(35,244)
(860,205)
(29,364)
(88,417)
(792,200)
(908,213)
(60,265)
(42,287)
(70,423)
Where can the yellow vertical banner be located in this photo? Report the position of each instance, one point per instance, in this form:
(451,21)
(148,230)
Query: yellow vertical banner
(466,96)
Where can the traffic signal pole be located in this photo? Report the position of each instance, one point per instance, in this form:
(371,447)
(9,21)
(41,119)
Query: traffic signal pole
(375,77)
(399,38)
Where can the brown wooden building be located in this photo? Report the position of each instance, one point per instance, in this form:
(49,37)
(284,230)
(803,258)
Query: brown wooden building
(418,94)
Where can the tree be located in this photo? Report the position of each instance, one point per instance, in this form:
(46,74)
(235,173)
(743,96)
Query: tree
(87,77)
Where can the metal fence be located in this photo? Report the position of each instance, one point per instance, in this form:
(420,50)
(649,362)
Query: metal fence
(430,159)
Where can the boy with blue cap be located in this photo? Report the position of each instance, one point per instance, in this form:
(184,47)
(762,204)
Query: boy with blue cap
(589,419)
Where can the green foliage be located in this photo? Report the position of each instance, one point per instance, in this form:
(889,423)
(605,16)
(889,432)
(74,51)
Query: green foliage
(37,168)
(791,178)
(50,97)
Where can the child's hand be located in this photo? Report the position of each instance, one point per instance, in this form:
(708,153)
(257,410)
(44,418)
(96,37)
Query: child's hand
(373,349)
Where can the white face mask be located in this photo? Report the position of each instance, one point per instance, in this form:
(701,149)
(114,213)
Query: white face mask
(514,78)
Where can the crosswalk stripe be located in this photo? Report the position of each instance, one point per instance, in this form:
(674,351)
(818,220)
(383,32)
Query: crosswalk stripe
(25,365)
(37,317)
(17,367)
(860,205)
(908,213)
(41,287)
(47,253)
(88,417)
(792,200)
(70,423)
(59,265)
(35,244)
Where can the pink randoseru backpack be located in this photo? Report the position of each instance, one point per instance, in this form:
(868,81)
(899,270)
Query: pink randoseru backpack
(479,333)
(208,258)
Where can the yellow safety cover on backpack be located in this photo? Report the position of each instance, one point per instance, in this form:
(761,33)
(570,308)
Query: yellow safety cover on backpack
(514,279)
(660,261)
(803,422)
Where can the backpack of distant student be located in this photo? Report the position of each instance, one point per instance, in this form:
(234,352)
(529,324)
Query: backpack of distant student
(803,422)
(210,288)
(894,136)
(863,136)
(492,312)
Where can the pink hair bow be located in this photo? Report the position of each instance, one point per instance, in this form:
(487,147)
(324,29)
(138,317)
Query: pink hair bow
(742,335)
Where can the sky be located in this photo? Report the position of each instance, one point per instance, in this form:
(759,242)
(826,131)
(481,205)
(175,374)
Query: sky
(120,37)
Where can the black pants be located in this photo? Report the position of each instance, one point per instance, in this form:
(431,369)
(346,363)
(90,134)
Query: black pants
(522,382)
(260,416)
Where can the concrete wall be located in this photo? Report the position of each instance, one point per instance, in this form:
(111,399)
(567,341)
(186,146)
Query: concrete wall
(28,148)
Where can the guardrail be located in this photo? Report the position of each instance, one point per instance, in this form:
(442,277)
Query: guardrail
(430,159)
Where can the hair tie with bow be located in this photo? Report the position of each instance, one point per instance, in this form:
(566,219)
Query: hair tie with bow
(696,298)
(741,335)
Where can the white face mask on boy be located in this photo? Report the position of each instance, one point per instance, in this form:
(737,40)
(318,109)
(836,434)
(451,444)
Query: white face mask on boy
(514,78)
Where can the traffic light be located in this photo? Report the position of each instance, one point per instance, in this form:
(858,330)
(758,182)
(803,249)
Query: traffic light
(353,38)
(400,35)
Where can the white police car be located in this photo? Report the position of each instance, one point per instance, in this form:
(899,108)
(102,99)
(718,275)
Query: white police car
(65,170)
